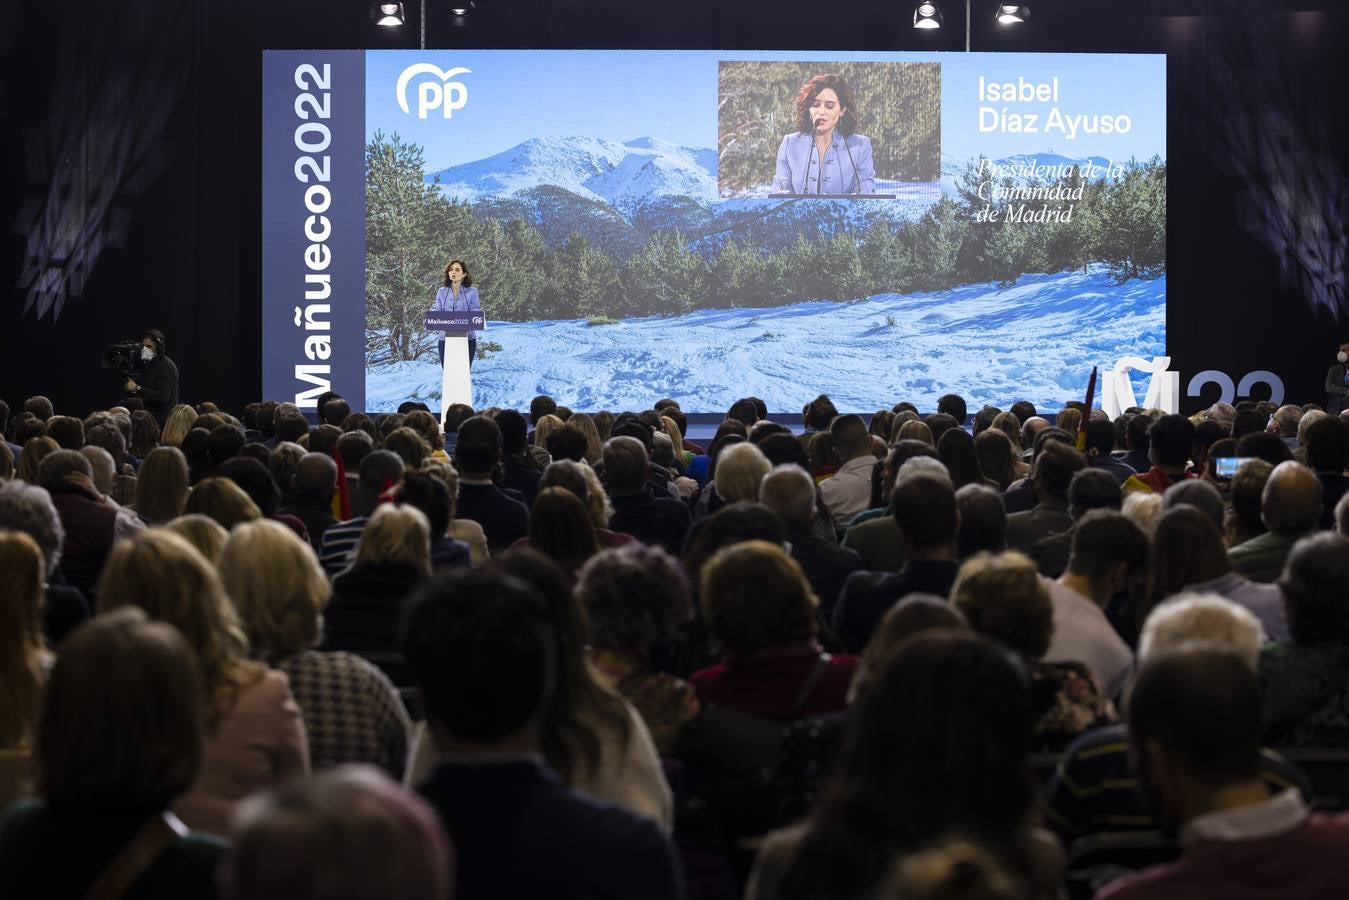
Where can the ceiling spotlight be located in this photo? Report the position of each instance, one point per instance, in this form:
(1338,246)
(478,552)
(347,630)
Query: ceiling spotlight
(462,7)
(389,15)
(1012,13)
(927,15)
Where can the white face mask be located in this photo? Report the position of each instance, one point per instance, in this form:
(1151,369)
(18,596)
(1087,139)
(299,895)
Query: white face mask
(147,354)
(1342,356)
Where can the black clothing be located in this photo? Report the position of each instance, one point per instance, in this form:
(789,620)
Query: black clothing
(365,612)
(827,565)
(519,833)
(316,514)
(655,521)
(63,611)
(521,474)
(868,596)
(158,383)
(502,513)
(1337,392)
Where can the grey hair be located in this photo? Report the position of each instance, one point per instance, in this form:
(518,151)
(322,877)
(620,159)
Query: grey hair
(789,491)
(101,466)
(27,508)
(923,465)
(55,466)
(1211,618)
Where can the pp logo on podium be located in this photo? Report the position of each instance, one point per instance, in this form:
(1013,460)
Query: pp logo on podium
(441,93)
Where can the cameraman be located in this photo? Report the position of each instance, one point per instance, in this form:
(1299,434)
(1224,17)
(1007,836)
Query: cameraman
(158,385)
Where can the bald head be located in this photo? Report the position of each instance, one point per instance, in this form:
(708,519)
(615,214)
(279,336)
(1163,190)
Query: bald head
(1291,501)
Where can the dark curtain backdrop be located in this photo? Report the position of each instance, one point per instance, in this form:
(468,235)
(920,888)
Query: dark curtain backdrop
(131,140)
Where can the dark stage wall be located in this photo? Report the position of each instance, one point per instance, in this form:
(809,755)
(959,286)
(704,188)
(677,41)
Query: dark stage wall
(132,133)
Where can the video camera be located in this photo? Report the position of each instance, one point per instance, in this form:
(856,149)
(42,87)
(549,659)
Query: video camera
(125,356)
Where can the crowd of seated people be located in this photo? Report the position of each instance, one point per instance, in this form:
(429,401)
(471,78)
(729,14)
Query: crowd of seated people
(980,652)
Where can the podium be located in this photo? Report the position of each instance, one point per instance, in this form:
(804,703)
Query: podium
(455,384)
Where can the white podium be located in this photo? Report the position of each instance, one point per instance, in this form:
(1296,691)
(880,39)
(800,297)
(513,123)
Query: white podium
(455,385)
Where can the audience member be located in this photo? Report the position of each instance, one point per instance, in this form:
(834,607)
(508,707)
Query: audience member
(846,492)
(161,486)
(1327,445)
(759,608)
(350,834)
(1305,678)
(119,741)
(90,525)
(1290,506)
(983,520)
(636,598)
(1200,494)
(501,513)
(24,658)
(392,558)
(1138,441)
(352,712)
(889,796)
(656,521)
(1194,734)
(499,802)
(1089,489)
(925,512)
(1188,555)
(255,736)
(1094,790)
(790,492)
(380,472)
(877,539)
(205,534)
(1100,451)
(223,500)
(997,457)
(310,498)
(1109,556)
(1004,598)
(1052,472)
(1144,509)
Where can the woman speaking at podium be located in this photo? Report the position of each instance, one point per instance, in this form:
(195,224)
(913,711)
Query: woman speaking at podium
(825,155)
(457,295)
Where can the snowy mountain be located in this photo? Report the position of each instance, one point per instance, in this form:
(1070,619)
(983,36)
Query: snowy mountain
(1036,340)
(623,175)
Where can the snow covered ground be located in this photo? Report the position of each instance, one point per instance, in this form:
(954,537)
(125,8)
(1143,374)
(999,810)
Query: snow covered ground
(1035,340)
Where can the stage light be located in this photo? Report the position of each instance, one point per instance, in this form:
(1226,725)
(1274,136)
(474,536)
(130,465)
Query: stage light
(1012,13)
(926,15)
(461,7)
(389,15)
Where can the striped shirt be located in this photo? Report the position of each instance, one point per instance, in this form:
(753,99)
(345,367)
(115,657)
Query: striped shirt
(1094,791)
(339,544)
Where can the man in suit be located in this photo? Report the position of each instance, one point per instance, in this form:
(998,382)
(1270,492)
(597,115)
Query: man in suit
(789,491)
(501,512)
(1054,468)
(925,509)
(482,653)
(655,521)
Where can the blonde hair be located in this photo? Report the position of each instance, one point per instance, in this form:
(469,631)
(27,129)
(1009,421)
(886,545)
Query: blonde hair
(21,642)
(202,532)
(1144,509)
(594,445)
(223,500)
(740,469)
(914,430)
(1211,618)
(754,595)
(177,425)
(672,429)
(1002,596)
(165,576)
(1069,419)
(161,485)
(544,428)
(277,587)
(396,534)
(597,499)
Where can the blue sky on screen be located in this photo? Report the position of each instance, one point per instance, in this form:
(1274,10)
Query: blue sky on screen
(515,95)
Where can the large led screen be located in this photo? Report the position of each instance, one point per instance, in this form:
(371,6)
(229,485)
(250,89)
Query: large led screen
(708,225)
